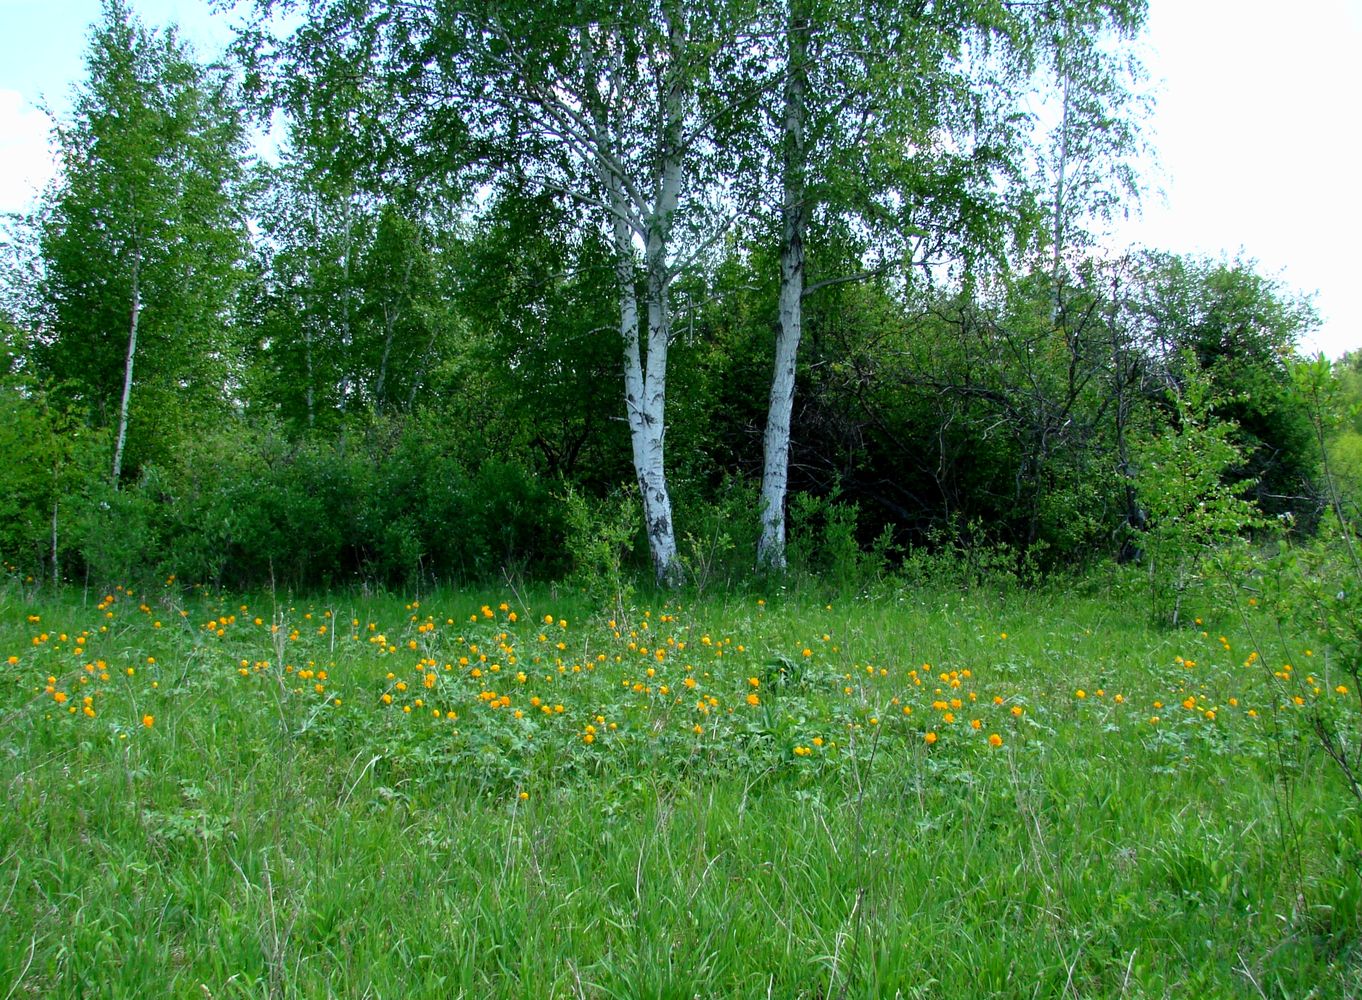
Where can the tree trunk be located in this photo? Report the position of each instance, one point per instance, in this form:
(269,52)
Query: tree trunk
(347,339)
(56,567)
(645,393)
(776,445)
(649,430)
(387,351)
(127,374)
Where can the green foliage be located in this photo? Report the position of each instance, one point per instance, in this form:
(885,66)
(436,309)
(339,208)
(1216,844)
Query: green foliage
(600,539)
(1241,329)
(149,209)
(824,543)
(1313,593)
(1191,510)
(386,503)
(52,460)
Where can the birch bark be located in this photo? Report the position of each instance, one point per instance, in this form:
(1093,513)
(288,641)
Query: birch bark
(776,443)
(127,372)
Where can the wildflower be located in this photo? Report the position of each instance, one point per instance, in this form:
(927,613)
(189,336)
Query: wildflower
(994,740)
(930,738)
(148,721)
(1017,711)
(753,699)
(1080,693)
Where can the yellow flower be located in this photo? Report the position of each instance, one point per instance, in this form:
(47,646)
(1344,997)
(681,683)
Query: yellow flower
(753,699)
(1080,693)
(930,738)
(994,740)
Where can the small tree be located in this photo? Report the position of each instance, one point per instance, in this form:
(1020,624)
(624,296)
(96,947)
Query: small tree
(143,232)
(1192,510)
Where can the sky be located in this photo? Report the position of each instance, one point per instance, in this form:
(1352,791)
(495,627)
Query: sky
(1255,130)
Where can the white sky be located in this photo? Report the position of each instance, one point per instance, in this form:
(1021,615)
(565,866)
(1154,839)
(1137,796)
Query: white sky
(1256,129)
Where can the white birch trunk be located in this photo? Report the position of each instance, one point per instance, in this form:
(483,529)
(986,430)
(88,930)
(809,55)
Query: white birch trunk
(645,392)
(776,444)
(127,374)
(645,374)
(388,323)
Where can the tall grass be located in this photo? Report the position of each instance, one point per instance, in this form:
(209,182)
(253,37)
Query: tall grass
(258,839)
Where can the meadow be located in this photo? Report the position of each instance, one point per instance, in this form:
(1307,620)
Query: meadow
(906,791)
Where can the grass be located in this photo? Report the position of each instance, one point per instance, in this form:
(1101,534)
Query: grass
(244,814)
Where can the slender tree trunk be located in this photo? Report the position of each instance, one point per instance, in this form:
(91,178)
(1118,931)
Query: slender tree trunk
(1059,196)
(347,339)
(388,323)
(420,375)
(307,357)
(776,445)
(56,568)
(127,372)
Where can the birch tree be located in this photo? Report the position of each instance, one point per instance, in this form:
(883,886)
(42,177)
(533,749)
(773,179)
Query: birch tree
(633,99)
(142,237)
(905,118)
(615,105)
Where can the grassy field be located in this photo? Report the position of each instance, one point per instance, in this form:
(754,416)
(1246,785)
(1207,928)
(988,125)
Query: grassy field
(899,793)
